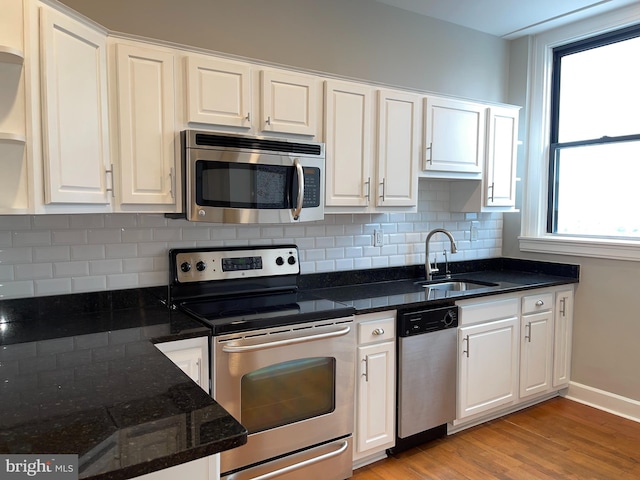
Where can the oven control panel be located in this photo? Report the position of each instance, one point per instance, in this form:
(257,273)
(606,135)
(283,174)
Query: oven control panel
(211,264)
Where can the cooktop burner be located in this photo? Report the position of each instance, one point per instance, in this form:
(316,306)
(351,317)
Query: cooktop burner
(244,288)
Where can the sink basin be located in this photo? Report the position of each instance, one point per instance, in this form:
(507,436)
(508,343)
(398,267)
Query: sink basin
(451,285)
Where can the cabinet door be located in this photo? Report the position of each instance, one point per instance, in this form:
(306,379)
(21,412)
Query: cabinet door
(348,114)
(454,136)
(488,366)
(191,356)
(201,469)
(536,353)
(500,174)
(146,109)
(376,396)
(563,336)
(219,92)
(289,103)
(398,149)
(74,103)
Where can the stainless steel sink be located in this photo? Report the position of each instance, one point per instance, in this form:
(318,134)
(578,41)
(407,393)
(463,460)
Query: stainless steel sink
(451,285)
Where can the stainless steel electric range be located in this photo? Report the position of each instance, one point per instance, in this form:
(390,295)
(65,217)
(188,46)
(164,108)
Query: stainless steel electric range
(282,361)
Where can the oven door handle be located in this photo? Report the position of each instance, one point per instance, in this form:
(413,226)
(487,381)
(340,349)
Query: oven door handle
(300,173)
(288,341)
(246,474)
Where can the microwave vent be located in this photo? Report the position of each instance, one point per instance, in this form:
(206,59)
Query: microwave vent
(249,143)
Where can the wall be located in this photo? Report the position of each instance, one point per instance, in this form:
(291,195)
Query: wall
(606,319)
(361,39)
(57,254)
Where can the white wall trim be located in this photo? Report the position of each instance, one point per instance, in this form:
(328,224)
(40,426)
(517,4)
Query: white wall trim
(583,247)
(606,401)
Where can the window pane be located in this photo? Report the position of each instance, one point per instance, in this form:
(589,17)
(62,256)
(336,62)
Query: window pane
(598,192)
(599,93)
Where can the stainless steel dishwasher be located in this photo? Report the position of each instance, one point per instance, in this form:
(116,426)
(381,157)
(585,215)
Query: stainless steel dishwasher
(426,374)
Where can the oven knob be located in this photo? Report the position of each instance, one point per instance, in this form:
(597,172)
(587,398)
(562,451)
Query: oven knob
(291,260)
(279,261)
(201,213)
(185,267)
(200,266)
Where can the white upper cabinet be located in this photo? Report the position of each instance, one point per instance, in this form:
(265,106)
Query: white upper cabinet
(454,133)
(250,99)
(502,145)
(219,92)
(74,110)
(348,138)
(361,178)
(398,148)
(288,102)
(146,126)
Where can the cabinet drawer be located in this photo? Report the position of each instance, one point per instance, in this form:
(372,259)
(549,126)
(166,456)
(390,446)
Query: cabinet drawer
(376,330)
(537,303)
(490,310)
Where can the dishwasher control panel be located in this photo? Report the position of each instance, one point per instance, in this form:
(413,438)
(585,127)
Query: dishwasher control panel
(425,320)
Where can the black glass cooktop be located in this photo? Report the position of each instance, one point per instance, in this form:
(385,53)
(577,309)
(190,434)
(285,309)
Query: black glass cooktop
(242,313)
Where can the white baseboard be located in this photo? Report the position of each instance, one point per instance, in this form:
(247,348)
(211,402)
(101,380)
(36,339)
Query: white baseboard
(602,400)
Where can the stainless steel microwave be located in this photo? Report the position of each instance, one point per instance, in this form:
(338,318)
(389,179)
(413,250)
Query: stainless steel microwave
(231,178)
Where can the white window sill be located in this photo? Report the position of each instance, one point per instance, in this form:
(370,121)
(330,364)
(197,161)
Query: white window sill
(616,249)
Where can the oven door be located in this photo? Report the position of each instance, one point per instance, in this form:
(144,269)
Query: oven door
(291,387)
(225,186)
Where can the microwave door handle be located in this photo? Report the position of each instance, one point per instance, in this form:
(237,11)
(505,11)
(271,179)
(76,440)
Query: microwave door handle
(300,173)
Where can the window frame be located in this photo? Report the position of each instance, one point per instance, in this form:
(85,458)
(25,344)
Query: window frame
(533,232)
(555,145)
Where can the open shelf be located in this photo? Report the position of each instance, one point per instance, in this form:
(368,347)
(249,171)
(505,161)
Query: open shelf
(11,55)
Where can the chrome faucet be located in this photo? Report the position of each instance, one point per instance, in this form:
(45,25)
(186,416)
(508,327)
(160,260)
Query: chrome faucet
(428,270)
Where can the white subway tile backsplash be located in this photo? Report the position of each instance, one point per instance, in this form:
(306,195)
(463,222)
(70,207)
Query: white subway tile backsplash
(31,238)
(88,284)
(33,271)
(104,267)
(52,286)
(69,237)
(51,255)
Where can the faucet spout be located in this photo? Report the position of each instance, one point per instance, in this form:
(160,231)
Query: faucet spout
(429,271)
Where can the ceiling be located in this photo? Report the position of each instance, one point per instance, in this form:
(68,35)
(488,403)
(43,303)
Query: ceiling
(509,19)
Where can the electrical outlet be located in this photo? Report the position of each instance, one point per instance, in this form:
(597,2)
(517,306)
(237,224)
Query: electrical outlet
(473,232)
(378,238)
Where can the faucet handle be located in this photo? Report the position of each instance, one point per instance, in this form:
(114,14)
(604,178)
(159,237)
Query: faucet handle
(435,268)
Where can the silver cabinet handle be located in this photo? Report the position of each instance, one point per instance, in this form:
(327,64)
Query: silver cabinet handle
(268,121)
(300,173)
(430,149)
(466,339)
(172,182)
(528,337)
(539,303)
(368,184)
(239,348)
(112,189)
(248,117)
(383,180)
(491,187)
(563,306)
(378,331)
(365,374)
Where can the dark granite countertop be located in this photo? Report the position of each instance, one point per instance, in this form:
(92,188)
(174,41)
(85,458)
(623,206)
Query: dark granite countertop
(393,288)
(80,374)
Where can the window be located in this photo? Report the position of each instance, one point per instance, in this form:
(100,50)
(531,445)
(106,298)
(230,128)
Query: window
(594,151)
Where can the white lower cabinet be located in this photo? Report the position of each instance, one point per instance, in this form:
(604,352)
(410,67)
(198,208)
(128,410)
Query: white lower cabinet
(375,387)
(513,350)
(563,328)
(192,356)
(536,344)
(487,357)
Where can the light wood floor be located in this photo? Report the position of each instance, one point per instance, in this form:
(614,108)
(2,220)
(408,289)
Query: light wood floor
(556,439)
